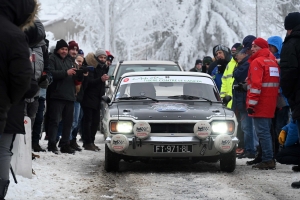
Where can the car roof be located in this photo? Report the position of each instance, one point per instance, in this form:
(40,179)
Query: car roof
(128,62)
(166,73)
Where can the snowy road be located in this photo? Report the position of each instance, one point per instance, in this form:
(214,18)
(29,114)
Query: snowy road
(82,176)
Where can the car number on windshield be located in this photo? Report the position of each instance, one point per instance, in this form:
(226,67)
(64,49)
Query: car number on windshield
(173,149)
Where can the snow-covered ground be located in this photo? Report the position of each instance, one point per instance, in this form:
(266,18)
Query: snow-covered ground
(82,176)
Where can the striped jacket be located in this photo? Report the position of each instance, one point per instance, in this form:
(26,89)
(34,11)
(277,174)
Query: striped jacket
(263,84)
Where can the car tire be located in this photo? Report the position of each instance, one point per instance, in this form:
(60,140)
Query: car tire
(111,160)
(228,161)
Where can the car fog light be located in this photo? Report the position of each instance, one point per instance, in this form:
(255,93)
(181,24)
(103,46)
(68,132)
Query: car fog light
(202,129)
(142,130)
(223,143)
(119,142)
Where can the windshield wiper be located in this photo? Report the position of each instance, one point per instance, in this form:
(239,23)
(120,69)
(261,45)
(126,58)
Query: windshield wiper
(189,97)
(137,97)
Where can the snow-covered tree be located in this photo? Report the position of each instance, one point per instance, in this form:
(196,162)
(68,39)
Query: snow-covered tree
(172,30)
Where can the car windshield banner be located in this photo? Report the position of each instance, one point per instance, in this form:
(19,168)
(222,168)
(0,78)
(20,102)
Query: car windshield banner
(172,79)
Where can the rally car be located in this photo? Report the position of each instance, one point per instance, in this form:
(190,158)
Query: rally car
(167,115)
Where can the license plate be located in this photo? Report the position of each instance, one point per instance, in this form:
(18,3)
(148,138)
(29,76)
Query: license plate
(173,149)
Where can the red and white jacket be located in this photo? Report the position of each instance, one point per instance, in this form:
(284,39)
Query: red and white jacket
(263,84)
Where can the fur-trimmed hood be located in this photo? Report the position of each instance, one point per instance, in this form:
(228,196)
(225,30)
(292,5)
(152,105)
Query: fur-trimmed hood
(20,12)
(91,60)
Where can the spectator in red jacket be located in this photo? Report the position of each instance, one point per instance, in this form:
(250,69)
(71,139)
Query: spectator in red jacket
(263,85)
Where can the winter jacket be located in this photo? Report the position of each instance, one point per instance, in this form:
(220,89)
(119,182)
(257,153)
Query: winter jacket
(217,77)
(263,84)
(292,133)
(227,81)
(240,74)
(277,42)
(63,85)
(290,71)
(212,67)
(15,66)
(194,69)
(95,87)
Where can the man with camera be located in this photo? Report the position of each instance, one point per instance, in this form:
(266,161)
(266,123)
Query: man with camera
(91,103)
(61,97)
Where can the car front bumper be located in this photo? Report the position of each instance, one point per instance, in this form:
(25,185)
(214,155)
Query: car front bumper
(145,148)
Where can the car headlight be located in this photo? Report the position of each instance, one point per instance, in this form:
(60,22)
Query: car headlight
(124,127)
(222,127)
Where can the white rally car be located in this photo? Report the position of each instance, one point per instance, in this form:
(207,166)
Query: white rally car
(163,115)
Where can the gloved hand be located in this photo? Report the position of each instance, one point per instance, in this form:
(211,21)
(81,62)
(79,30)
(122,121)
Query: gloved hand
(243,86)
(250,110)
(281,137)
(44,84)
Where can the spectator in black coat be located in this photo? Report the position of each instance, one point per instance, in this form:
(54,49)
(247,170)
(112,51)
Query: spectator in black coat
(15,72)
(290,67)
(61,97)
(91,103)
(197,67)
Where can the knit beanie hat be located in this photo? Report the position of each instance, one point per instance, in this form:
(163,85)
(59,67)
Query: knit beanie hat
(72,45)
(247,41)
(100,52)
(292,20)
(109,56)
(198,61)
(235,46)
(207,59)
(262,43)
(80,52)
(60,44)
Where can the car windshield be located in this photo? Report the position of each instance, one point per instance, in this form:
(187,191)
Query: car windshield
(124,68)
(195,88)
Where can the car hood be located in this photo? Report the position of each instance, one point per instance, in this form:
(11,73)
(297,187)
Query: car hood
(169,111)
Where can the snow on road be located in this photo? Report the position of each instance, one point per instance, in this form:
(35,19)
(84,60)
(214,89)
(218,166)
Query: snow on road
(82,176)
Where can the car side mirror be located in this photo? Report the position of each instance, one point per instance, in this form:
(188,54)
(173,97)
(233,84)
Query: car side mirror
(106,99)
(226,100)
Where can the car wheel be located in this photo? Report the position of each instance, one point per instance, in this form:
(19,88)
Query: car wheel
(111,160)
(228,161)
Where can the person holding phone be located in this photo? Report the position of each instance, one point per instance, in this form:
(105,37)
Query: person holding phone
(91,103)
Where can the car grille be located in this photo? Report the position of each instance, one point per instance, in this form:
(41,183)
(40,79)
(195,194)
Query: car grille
(171,128)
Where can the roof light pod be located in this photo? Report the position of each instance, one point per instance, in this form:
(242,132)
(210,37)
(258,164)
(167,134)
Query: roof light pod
(142,130)
(202,129)
(119,143)
(223,143)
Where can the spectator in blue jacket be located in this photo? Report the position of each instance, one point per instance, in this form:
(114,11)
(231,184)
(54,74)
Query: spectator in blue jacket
(223,55)
(239,94)
(290,154)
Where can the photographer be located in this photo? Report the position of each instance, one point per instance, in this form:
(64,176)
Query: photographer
(93,92)
(239,103)
(61,97)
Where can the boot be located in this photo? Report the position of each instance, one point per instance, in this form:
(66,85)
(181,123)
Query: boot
(52,147)
(67,149)
(296,168)
(3,188)
(74,145)
(96,147)
(37,148)
(271,164)
(90,147)
(296,184)
(257,158)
